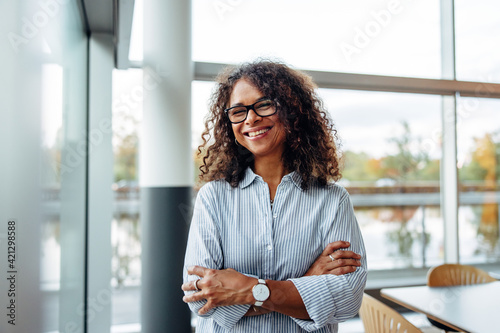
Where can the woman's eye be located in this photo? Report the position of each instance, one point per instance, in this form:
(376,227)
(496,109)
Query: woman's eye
(239,112)
(264,105)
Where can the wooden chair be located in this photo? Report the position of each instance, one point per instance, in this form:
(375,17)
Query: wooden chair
(380,318)
(455,275)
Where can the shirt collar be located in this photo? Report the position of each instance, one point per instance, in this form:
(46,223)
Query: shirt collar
(250,177)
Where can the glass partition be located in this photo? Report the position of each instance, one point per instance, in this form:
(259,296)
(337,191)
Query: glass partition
(64,167)
(43,145)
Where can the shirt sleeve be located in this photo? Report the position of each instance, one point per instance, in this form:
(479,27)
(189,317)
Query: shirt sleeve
(204,249)
(330,298)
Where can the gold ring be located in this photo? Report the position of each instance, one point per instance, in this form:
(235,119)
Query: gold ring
(196,285)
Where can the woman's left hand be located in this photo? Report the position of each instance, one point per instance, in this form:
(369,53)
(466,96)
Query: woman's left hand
(335,260)
(219,288)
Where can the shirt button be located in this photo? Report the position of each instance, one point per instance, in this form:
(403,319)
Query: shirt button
(269,247)
(275,216)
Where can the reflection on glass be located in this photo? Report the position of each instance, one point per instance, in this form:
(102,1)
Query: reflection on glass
(479,174)
(392,149)
(399,38)
(63,86)
(52,144)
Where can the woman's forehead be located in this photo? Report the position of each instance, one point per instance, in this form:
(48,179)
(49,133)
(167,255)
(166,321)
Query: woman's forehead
(244,92)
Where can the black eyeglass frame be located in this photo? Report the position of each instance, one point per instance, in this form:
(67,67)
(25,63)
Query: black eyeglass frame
(251,107)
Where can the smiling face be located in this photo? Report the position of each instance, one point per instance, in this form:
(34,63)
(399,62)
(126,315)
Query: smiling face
(262,136)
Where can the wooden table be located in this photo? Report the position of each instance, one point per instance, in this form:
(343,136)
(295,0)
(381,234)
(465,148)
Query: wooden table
(474,308)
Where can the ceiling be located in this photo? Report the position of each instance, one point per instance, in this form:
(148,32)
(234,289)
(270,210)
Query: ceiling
(112,17)
(100,15)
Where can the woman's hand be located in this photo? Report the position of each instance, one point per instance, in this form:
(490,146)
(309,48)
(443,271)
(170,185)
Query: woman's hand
(335,261)
(219,288)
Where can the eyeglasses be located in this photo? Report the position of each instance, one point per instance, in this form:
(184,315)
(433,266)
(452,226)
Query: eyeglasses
(263,108)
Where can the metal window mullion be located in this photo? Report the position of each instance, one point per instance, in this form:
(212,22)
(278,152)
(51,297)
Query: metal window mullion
(449,180)
(204,71)
(449,171)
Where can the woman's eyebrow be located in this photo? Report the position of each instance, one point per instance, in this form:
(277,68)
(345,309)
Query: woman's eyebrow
(257,100)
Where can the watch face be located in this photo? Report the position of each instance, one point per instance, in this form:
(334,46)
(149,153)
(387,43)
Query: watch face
(260,292)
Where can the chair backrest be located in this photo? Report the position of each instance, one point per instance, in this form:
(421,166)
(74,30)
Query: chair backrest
(456,275)
(380,318)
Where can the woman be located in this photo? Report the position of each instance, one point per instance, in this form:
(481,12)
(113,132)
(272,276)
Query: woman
(274,245)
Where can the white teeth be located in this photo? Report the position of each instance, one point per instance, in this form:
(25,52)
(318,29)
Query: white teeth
(252,134)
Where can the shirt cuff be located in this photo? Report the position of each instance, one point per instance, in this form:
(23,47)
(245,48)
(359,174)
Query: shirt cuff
(225,316)
(318,300)
(330,299)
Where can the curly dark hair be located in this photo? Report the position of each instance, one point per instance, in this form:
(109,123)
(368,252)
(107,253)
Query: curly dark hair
(311,144)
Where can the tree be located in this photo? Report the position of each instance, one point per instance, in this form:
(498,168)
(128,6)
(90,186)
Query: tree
(485,167)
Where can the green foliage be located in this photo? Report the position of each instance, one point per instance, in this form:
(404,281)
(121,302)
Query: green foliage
(405,165)
(125,166)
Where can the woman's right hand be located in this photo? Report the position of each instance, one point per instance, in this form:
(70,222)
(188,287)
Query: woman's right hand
(343,261)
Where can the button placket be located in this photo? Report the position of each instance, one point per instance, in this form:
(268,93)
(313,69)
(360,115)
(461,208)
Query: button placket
(268,242)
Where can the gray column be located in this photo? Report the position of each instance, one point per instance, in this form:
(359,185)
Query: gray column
(166,163)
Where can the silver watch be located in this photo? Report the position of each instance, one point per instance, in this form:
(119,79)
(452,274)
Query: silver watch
(260,292)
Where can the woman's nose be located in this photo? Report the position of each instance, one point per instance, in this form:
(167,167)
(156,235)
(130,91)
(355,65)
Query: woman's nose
(252,117)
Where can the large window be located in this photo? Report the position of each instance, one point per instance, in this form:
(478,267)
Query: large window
(393,142)
(391,154)
(477,41)
(479,174)
(388,37)
(125,233)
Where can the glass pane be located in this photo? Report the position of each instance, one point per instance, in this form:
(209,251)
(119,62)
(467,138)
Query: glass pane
(43,100)
(477,40)
(391,145)
(375,37)
(64,180)
(128,94)
(136,39)
(478,140)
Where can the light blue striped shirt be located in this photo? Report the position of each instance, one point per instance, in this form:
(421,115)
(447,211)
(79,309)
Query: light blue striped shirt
(237,228)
